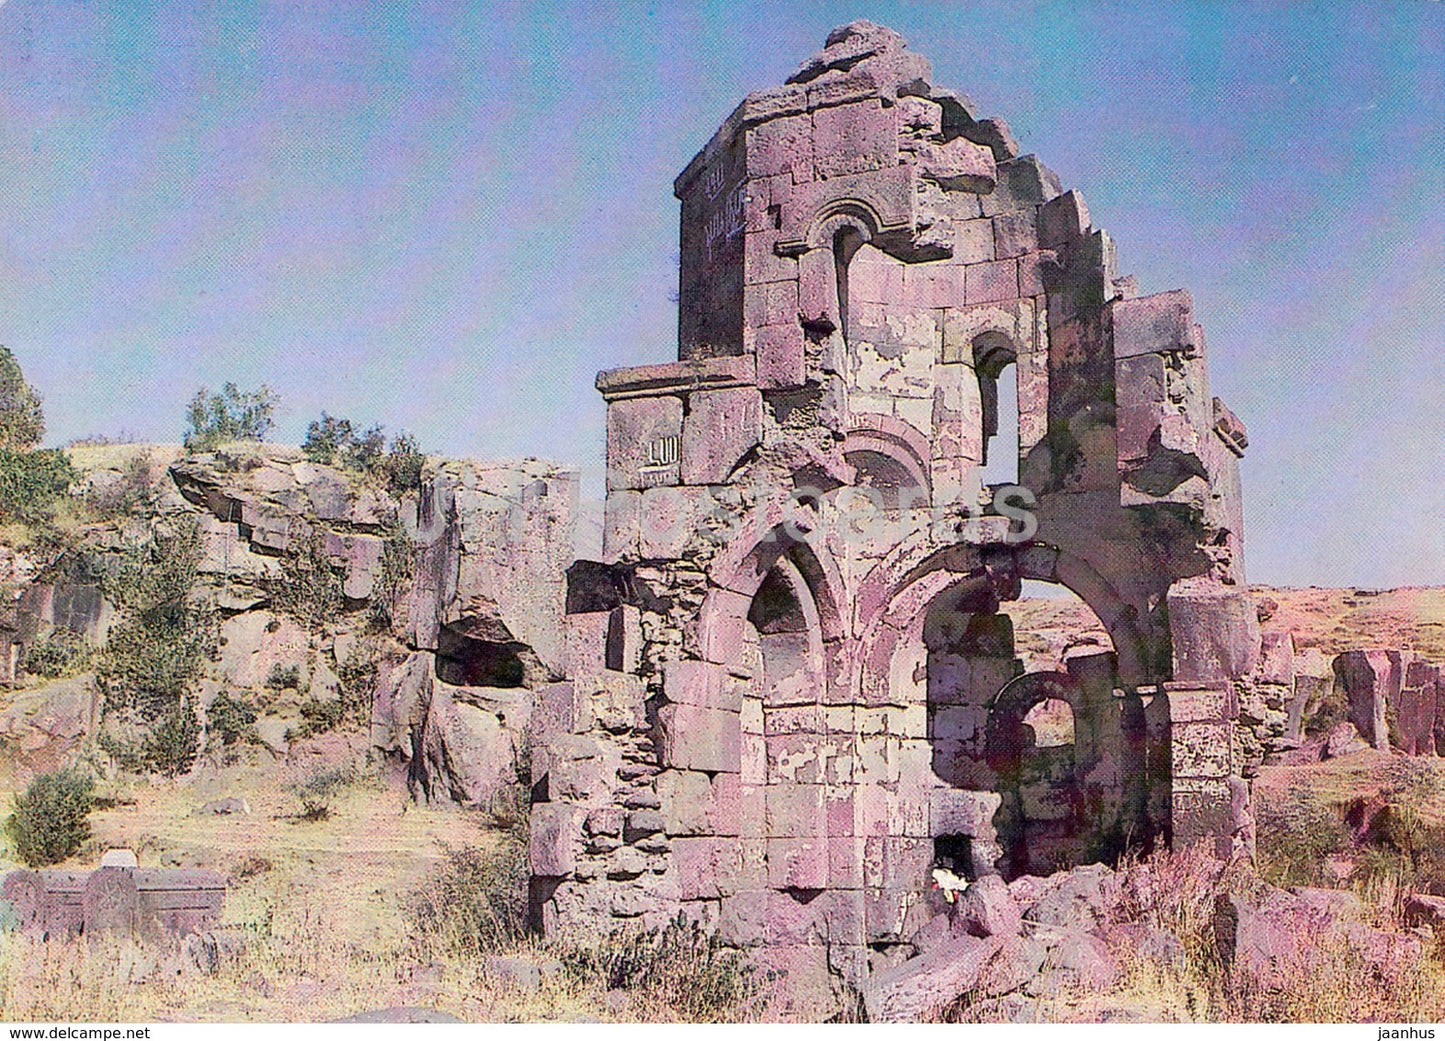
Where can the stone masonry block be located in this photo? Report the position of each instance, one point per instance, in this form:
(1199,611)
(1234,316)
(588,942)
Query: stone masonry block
(798,863)
(795,810)
(721,427)
(1201,749)
(1199,704)
(854,139)
(781,356)
(698,683)
(987,283)
(696,738)
(1215,631)
(555,832)
(707,868)
(781,146)
(1371,680)
(1154,324)
(644,437)
(668,520)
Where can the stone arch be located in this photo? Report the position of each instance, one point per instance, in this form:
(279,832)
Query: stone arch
(893,452)
(898,590)
(773,534)
(1041,800)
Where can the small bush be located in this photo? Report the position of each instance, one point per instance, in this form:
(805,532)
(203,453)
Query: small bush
(475,902)
(284,677)
(317,717)
(334,441)
(317,791)
(59,653)
(1295,838)
(232,415)
(683,967)
(398,569)
(134,490)
(231,720)
(310,586)
(50,819)
(31,482)
(22,421)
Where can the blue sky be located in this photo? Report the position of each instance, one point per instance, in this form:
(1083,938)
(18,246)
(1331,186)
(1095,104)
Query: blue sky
(446,217)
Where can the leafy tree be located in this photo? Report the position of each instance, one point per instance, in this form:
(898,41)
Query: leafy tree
(50,818)
(22,423)
(326,438)
(333,440)
(231,415)
(156,651)
(31,482)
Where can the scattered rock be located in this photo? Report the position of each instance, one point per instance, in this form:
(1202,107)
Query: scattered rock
(1425,910)
(920,987)
(524,974)
(400,1014)
(1342,740)
(987,908)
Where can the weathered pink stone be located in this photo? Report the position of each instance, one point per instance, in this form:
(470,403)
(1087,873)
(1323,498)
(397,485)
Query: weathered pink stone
(720,428)
(997,280)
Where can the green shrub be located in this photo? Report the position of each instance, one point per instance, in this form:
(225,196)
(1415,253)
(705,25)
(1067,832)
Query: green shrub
(1296,836)
(398,569)
(134,491)
(317,717)
(22,422)
(284,677)
(59,653)
(475,901)
(309,588)
(50,821)
(31,482)
(317,791)
(157,650)
(231,720)
(403,465)
(232,415)
(334,441)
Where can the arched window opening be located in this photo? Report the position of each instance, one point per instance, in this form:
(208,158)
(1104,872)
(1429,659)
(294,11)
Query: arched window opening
(1050,723)
(892,485)
(846,242)
(1053,624)
(994,363)
(785,640)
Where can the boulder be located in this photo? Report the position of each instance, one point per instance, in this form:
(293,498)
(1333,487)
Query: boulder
(399,705)
(987,908)
(1084,898)
(921,987)
(521,973)
(1421,909)
(1343,739)
(1276,935)
(467,757)
(43,726)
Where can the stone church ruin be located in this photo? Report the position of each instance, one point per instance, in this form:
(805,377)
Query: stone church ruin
(792,693)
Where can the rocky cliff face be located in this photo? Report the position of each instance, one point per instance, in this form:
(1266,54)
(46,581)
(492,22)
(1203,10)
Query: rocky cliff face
(421,619)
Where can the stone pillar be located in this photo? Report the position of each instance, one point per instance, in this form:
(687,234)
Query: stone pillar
(1371,680)
(1203,771)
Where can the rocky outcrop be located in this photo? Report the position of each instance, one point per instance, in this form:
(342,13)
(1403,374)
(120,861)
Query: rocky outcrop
(442,607)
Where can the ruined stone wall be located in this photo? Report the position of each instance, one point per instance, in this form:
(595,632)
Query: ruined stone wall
(811,699)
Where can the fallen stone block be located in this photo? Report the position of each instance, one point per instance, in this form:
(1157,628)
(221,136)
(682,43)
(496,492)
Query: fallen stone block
(987,908)
(921,987)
